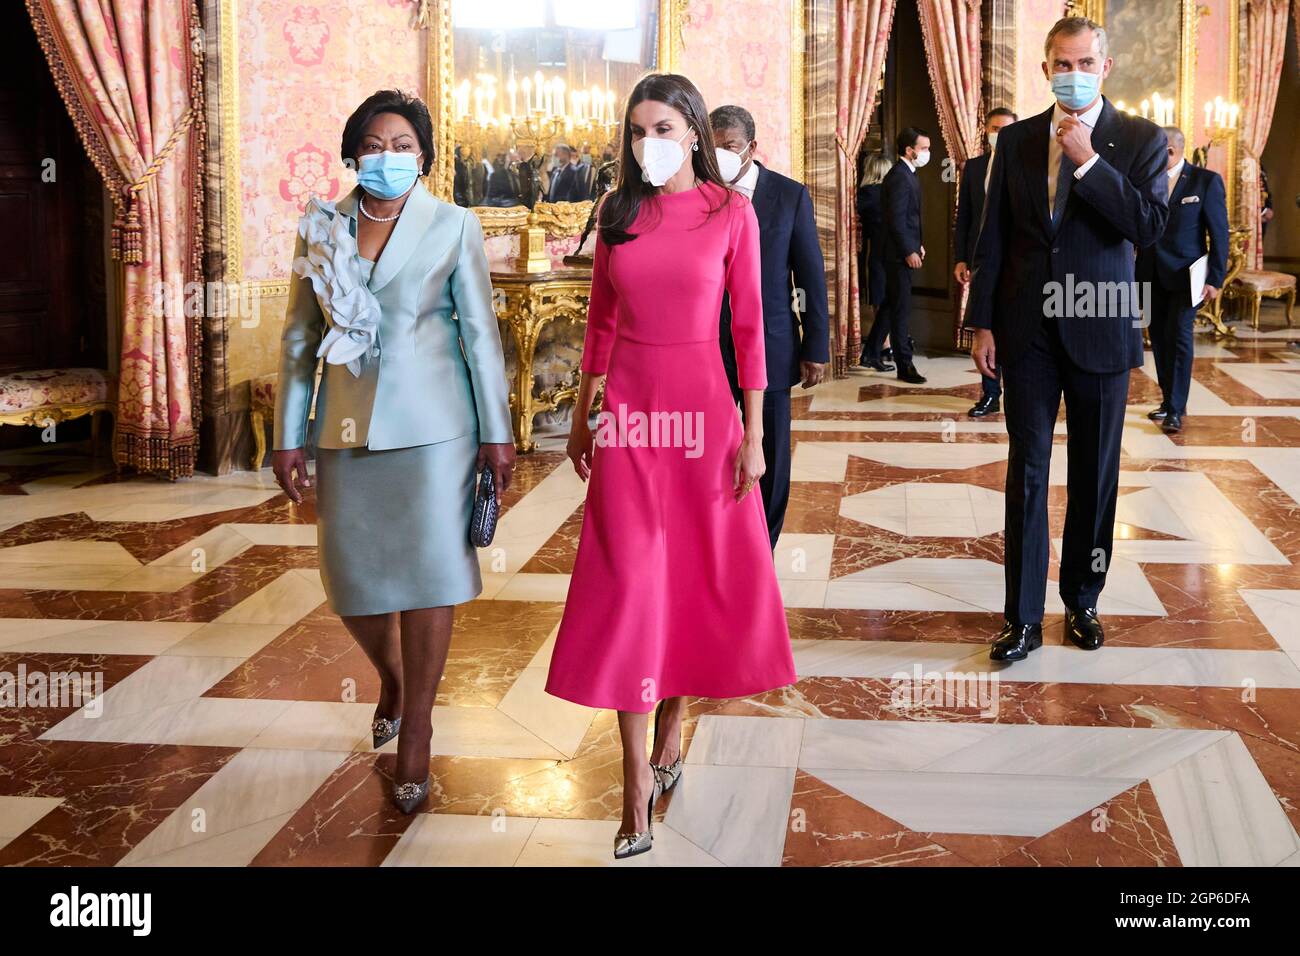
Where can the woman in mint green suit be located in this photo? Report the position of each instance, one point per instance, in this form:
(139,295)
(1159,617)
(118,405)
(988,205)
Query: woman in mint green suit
(392,290)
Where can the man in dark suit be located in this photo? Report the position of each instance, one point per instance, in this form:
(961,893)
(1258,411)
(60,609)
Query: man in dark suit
(1198,208)
(970,208)
(569,181)
(796,339)
(1053,300)
(903,254)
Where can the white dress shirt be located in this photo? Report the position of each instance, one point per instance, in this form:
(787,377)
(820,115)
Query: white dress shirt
(1175,173)
(1088,119)
(910,165)
(746,183)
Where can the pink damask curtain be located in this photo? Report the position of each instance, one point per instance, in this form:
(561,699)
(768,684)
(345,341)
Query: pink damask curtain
(951,33)
(1265,47)
(130,72)
(863,41)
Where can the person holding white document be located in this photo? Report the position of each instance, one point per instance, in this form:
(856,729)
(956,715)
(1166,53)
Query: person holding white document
(1179,282)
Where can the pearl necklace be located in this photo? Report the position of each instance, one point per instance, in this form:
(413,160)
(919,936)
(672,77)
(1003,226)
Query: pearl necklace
(362,203)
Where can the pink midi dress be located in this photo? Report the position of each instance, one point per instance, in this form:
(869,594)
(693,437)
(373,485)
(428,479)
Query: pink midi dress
(673,590)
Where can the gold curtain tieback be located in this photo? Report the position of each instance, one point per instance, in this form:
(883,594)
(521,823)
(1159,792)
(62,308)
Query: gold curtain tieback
(127,237)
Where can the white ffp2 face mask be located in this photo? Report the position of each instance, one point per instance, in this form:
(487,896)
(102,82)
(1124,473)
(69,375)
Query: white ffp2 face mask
(659,157)
(729,163)
(922,158)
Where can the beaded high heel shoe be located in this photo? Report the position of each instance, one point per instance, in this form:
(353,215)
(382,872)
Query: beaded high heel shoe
(633,844)
(410,795)
(382,730)
(670,774)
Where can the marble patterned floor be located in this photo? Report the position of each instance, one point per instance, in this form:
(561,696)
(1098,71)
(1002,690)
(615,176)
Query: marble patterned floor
(232,724)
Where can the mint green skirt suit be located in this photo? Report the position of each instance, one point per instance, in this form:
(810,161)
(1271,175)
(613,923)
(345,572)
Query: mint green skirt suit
(396,445)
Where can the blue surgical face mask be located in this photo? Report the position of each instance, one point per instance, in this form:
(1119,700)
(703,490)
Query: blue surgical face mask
(1076,89)
(388,175)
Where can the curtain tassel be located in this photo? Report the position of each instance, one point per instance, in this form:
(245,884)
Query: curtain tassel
(132,241)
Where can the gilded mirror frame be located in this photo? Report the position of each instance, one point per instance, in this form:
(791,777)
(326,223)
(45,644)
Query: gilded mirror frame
(558,219)
(1191,12)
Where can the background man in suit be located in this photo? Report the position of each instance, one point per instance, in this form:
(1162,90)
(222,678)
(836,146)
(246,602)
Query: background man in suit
(797,343)
(903,253)
(970,208)
(568,181)
(1072,192)
(1198,207)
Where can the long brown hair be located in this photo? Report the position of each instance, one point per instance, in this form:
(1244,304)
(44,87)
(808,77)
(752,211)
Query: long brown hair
(621,204)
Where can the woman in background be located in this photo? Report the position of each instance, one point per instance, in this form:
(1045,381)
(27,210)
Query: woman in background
(412,404)
(871,213)
(673,591)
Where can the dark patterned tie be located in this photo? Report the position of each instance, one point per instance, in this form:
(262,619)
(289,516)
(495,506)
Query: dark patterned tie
(1064,179)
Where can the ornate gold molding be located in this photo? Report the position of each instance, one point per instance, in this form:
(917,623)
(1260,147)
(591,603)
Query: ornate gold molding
(231,189)
(796,89)
(563,218)
(673,17)
(500,220)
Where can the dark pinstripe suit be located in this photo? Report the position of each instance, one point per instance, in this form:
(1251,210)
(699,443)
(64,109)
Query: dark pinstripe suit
(1120,203)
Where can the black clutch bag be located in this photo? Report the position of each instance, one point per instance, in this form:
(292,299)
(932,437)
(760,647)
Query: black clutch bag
(483,523)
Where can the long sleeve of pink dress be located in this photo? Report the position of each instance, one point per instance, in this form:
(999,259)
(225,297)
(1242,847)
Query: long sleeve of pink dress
(673,589)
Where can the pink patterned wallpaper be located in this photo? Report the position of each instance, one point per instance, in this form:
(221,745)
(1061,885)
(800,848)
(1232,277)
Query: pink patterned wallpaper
(739,52)
(304,65)
(1033,19)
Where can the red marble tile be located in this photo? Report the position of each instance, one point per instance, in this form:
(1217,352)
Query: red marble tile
(1128,830)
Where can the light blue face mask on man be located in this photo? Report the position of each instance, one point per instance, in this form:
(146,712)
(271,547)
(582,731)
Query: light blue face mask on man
(388,175)
(1076,89)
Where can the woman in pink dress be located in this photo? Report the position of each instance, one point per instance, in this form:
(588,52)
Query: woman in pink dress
(673,591)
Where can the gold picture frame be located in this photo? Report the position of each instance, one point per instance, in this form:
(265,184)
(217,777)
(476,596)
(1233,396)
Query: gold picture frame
(435,18)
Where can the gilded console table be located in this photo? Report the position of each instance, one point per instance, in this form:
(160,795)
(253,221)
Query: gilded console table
(1210,314)
(526,303)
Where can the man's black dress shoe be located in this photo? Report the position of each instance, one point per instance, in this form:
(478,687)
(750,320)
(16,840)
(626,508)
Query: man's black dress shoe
(879,365)
(908,373)
(1015,641)
(987,405)
(1083,628)
(1158,413)
(1173,422)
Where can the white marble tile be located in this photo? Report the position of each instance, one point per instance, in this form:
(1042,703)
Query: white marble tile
(160,682)
(1279,611)
(529,523)
(453,839)
(20,814)
(826,461)
(108,554)
(319,725)
(801,593)
(226,640)
(746,741)
(254,786)
(201,722)
(558,722)
(803,557)
(989,803)
(1212,667)
(209,550)
(280,535)
(1076,751)
(479,732)
(232,848)
(884,744)
(107,637)
(534,586)
(568,843)
(286,600)
(738,815)
(884,659)
(1221,811)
